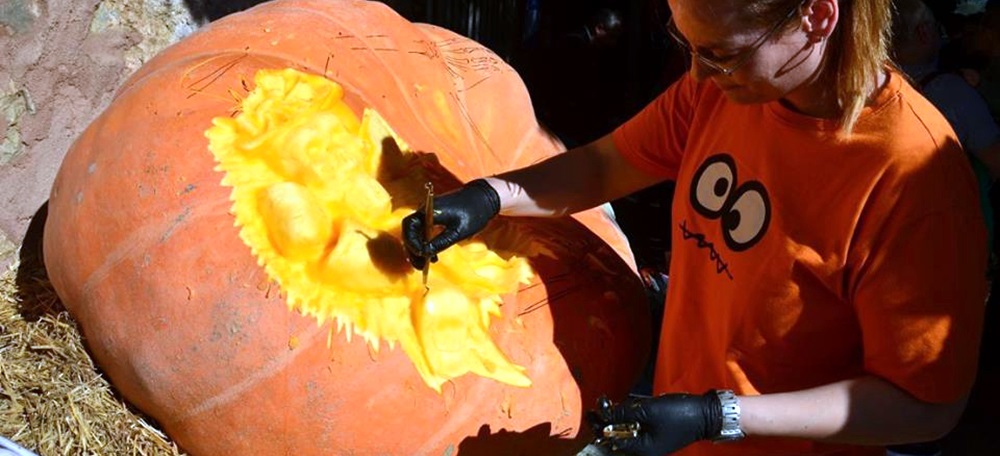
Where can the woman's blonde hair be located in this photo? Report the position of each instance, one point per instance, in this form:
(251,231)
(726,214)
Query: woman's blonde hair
(857,53)
(863,39)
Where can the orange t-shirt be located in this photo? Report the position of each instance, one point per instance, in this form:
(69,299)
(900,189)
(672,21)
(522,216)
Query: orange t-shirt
(802,256)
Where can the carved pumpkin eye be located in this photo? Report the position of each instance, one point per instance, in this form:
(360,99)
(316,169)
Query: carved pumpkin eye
(712,185)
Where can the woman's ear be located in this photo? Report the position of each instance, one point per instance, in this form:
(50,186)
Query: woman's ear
(819,19)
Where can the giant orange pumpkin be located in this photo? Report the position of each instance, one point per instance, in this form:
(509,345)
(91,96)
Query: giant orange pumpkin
(143,246)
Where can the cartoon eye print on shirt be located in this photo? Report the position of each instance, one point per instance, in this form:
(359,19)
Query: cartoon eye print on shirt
(743,209)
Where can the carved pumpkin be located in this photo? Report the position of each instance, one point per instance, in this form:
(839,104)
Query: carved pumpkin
(147,243)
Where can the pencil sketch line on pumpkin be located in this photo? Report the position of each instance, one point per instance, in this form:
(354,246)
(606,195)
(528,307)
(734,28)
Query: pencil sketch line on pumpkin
(529,286)
(485,61)
(551,299)
(453,73)
(461,41)
(389,69)
(448,42)
(429,49)
(559,295)
(326,66)
(212,76)
(559,278)
(475,129)
(443,47)
(533,307)
(483,64)
(473,86)
(522,145)
(273,367)
(218,70)
(548,281)
(374,49)
(142,238)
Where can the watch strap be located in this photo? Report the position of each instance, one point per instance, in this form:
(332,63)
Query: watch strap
(730,430)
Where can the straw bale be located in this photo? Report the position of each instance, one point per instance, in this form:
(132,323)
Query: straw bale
(53,399)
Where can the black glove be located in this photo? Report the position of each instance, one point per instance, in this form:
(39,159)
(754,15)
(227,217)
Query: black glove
(463,213)
(667,423)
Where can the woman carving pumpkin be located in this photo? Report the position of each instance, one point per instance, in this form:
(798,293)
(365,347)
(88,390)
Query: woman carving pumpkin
(828,267)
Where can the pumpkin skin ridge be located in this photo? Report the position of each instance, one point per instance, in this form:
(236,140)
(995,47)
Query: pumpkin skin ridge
(270,369)
(522,147)
(476,132)
(119,255)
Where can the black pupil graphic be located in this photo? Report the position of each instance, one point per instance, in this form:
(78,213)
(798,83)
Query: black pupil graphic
(731,220)
(721,186)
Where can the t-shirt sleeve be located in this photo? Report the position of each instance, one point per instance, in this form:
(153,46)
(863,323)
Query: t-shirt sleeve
(920,302)
(654,139)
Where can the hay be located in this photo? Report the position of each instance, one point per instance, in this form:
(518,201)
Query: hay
(53,399)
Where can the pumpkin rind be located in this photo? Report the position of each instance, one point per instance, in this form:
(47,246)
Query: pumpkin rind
(142,249)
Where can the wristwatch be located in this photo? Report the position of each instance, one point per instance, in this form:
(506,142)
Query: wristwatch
(730,431)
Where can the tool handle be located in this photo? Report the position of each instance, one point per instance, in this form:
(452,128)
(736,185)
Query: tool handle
(428,227)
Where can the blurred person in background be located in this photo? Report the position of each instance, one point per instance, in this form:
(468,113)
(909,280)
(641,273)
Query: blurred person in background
(918,39)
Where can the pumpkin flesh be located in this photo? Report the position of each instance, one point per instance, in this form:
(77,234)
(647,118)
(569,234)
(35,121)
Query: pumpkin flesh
(304,172)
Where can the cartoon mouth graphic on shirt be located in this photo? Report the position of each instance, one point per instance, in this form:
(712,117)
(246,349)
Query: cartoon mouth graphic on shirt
(743,209)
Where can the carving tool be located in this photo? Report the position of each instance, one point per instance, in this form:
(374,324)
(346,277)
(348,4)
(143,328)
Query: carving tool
(428,230)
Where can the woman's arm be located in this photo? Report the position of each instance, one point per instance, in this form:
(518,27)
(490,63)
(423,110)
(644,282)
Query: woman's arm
(862,411)
(570,182)
(865,411)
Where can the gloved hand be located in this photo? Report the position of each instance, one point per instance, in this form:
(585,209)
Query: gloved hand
(463,213)
(667,423)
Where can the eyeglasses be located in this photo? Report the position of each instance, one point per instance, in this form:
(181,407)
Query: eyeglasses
(737,60)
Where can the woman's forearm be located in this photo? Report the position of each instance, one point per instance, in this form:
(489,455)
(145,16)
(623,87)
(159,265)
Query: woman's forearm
(570,182)
(865,411)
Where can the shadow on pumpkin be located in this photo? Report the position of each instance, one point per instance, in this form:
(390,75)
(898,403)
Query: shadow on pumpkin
(403,176)
(604,341)
(534,441)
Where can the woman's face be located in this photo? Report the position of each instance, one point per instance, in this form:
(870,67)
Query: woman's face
(772,62)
